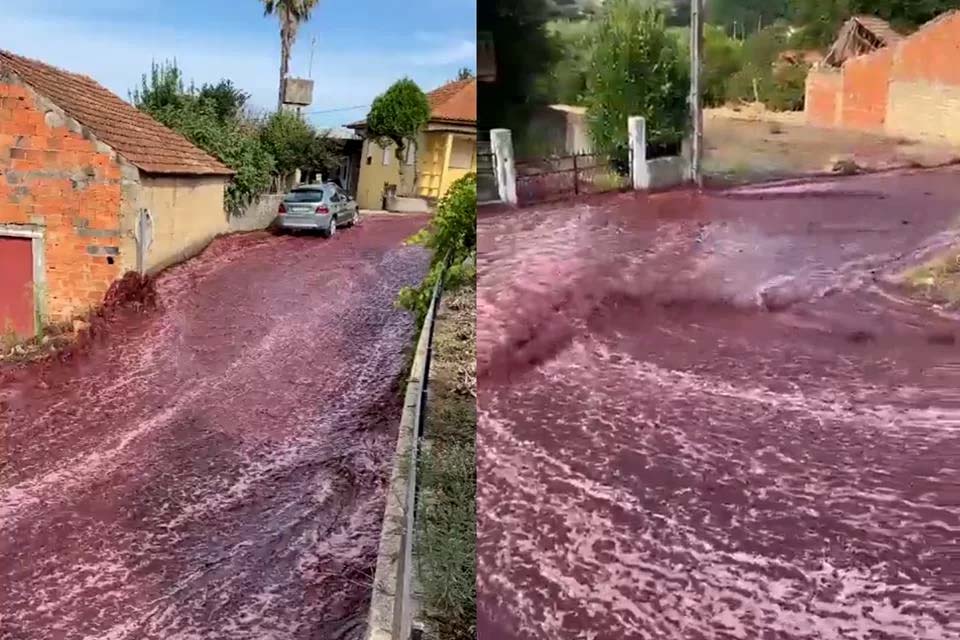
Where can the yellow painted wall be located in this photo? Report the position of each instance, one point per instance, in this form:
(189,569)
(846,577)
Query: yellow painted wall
(434,175)
(452,174)
(187,214)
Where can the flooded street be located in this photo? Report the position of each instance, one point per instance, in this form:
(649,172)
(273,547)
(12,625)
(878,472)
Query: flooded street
(216,468)
(713,417)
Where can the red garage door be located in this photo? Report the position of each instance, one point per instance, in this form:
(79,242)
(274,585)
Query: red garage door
(16,285)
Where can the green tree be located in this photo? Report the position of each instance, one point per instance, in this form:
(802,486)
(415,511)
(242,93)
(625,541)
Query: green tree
(465,73)
(291,13)
(162,88)
(288,138)
(636,70)
(228,101)
(565,82)
(294,145)
(746,16)
(210,118)
(397,116)
(523,53)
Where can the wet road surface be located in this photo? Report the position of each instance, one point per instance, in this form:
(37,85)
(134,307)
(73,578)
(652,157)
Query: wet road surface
(215,469)
(713,417)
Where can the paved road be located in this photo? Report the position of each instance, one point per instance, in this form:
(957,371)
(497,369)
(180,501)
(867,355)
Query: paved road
(216,469)
(711,417)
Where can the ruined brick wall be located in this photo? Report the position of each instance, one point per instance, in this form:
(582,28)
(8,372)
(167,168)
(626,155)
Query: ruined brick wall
(910,90)
(925,83)
(866,82)
(823,97)
(55,179)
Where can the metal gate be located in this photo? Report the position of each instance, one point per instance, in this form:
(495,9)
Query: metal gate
(564,176)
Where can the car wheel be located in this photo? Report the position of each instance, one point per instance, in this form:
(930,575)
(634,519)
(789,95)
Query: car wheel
(332,228)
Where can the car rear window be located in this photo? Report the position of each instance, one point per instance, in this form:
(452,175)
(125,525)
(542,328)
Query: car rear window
(304,195)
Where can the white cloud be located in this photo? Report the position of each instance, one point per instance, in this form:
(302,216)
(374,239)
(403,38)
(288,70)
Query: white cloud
(116,57)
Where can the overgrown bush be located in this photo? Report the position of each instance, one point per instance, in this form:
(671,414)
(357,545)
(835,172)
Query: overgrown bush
(451,237)
(565,82)
(722,59)
(779,86)
(636,70)
(229,141)
(213,118)
(294,144)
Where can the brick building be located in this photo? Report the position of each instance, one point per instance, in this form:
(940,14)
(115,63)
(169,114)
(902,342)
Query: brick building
(906,86)
(90,188)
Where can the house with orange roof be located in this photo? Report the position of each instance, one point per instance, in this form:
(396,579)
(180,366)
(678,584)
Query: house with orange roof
(445,151)
(90,188)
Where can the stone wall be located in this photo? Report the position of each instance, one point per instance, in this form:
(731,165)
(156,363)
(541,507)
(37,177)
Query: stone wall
(258,215)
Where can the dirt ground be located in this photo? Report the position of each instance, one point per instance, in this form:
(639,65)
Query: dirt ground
(715,415)
(446,540)
(213,468)
(748,146)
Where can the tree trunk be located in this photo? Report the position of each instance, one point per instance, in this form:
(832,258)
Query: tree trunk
(284,62)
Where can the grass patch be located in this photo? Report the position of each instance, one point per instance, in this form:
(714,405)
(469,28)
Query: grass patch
(937,280)
(446,534)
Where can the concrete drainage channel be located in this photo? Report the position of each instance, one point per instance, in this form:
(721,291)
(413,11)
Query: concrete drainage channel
(393,602)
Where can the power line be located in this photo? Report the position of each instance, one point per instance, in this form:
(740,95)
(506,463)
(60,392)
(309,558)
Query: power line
(359,106)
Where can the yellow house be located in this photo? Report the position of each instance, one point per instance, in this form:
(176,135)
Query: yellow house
(446,150)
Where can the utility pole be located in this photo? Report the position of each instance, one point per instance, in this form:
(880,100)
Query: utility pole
(696,90)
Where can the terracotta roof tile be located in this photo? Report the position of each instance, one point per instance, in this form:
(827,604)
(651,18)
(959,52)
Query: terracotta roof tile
(133,134)
(453,102)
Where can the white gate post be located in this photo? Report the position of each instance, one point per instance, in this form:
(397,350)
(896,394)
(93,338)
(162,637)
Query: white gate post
(501,144)
(637,128)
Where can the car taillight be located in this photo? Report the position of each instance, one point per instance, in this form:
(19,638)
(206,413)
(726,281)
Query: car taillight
(283,209)
(322,209)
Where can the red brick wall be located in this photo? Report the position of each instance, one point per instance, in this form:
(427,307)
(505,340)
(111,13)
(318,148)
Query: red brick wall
(823,98)
(866,87)
(925,87)
(56,178)
(932,54)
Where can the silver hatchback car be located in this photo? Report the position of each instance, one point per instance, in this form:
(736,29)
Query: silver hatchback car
(320,207)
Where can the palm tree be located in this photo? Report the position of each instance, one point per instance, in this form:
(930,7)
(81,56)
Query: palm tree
(291,14)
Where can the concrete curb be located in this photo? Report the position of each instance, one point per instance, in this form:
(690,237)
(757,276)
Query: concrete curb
(391,604)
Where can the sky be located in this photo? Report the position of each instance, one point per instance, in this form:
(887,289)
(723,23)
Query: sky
(359,47)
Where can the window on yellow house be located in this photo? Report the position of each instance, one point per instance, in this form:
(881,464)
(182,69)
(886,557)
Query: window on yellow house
(461,156)
(410,152)
(387,152)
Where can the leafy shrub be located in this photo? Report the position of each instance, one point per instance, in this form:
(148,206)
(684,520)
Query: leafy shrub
(722,59)
(229,141)
(296,145)
(635,70)
(452,238)
(398,115)
(565,82)
(786,90)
